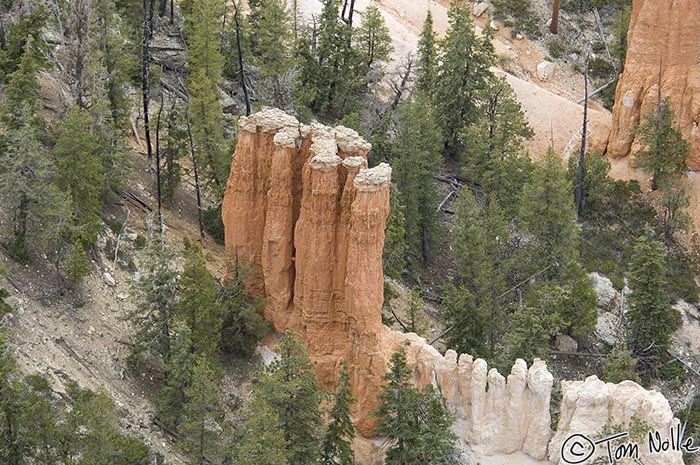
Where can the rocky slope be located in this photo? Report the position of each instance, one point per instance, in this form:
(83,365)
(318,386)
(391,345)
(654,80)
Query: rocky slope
(303,211)
(659,36)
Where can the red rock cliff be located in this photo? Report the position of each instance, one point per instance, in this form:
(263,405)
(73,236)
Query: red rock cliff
(666,32)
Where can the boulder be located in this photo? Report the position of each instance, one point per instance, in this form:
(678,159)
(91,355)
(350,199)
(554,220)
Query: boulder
(109,279)
(480,8)
(606,328)
(607,295)
(545,71)
(565,343)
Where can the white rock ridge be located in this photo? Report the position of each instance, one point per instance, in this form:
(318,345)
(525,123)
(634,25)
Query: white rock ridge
(597,410)
(493,414)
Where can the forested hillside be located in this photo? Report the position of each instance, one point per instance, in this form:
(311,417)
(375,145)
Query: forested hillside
(118,121)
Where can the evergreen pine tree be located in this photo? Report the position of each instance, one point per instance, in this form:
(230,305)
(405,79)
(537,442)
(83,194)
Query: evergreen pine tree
(548,219)
(547,215)
(81,174)
(22,37)
(27,192)
(532,326)
(270,39)
(289,386)
(463,71)
(21,103)
(674,201)
(261,439)
(372,40)
(15,445)
(399,401)
(200,430)
(38,428)
(51,436)
(174,148)
(649,317)
(325,73)
(475,303)
(619,366)
(172,397)
(596,186)
(665,149)
(395,249)
(336,448)
(114,58)
(417,157)
(496,137)
(427,57)
(203,80)
(417,423)
(437,442)
(96,415)
(242,322)
(154,296)
(197,306)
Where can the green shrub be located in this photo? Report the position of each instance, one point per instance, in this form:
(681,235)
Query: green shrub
(115,225)
(619,367)
(524,18)
(607,95)
(599,68)
(672,370)
(19,252)
(556,49)
(140,242)
(213,225)
(5,308)
(681,278)
(691,417)
(76,265)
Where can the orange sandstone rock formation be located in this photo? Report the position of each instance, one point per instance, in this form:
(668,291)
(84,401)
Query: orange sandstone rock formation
(306,214)
(666,33)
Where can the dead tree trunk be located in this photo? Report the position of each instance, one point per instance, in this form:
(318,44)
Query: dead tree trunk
(347,13)
(82,13)
(160,211)
(399,90)
(148,6)
(196,174)
(659,117)
(554,25)
(582,154)
(240,59)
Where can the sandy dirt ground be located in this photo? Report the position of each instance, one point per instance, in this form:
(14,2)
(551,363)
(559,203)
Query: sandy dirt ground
(81,336)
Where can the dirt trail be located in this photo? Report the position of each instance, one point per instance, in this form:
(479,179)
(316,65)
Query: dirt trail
(549,106)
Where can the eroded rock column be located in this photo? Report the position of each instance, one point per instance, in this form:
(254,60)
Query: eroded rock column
(661,34)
